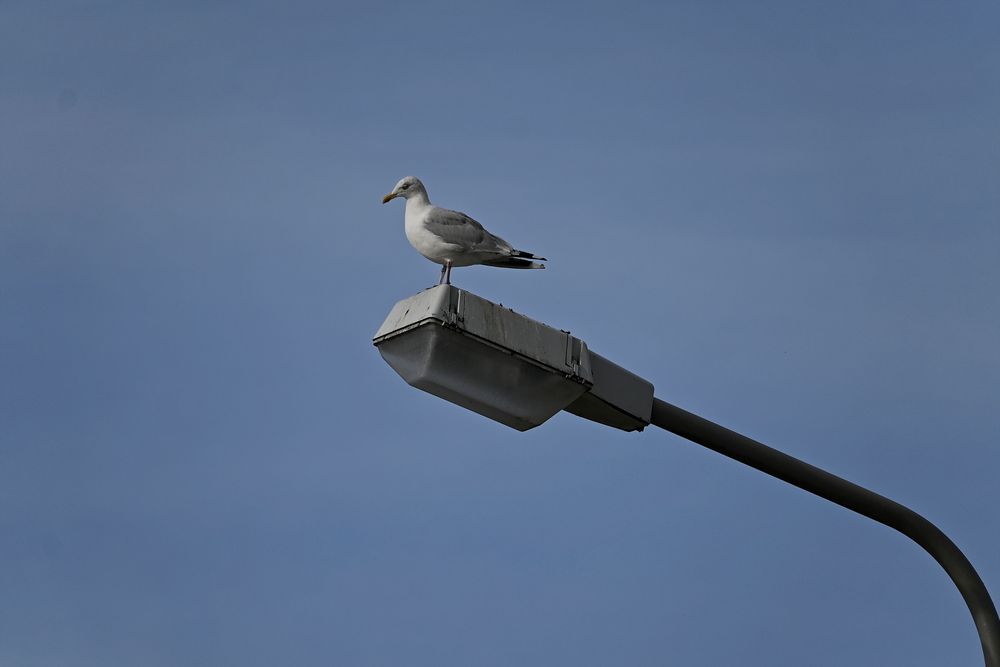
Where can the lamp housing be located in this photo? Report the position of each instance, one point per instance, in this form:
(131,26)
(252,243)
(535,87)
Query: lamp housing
(504,365)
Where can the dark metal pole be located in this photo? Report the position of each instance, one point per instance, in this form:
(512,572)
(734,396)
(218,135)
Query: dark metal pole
(853,497)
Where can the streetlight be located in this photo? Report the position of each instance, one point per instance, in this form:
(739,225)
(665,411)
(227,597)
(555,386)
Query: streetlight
(520,372)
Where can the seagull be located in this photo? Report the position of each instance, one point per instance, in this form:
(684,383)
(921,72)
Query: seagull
(450,238)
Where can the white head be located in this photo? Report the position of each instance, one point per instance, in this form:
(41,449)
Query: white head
(409,186)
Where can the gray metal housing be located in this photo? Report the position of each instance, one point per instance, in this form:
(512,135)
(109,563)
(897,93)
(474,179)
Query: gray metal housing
(617,398)
(504,365)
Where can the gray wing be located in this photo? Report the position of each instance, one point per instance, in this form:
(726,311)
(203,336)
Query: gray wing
(460,230)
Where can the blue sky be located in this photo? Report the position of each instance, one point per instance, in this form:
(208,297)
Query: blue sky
(783,214)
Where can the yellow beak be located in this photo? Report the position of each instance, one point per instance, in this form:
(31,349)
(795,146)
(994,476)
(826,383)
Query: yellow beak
(389,197)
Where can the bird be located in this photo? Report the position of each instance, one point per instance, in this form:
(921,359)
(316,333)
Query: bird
(451,238)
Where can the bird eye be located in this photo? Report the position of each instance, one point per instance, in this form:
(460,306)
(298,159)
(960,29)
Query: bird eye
(405,185)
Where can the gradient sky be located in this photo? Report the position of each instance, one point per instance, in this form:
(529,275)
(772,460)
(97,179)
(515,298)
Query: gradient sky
(785,214)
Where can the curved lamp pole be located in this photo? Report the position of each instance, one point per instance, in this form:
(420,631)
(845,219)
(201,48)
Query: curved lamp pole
(846,494)
(520,372)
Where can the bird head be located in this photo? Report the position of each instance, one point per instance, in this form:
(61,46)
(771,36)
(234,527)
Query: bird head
(407,187)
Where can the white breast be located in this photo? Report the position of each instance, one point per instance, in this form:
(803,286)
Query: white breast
(426,243)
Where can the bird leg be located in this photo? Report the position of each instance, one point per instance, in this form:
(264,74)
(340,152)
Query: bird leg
(445,274)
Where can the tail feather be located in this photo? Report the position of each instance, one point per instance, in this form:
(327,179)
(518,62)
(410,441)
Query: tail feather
(514,263)
(528,255)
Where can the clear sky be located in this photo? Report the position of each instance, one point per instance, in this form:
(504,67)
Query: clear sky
(785,214)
